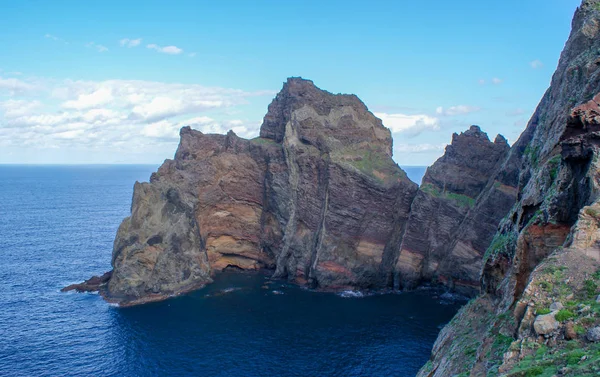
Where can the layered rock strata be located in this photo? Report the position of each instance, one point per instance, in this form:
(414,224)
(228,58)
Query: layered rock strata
(541,272)
(443,242)
(316,199)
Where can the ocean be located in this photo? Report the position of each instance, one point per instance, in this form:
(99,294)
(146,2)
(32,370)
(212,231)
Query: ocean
(57,225)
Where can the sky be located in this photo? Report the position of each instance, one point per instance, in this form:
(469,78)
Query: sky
(113,81)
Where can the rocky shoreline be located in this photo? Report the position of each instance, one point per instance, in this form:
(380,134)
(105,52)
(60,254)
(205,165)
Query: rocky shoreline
(318,200)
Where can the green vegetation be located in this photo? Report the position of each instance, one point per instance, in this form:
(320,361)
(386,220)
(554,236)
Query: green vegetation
(460,199)
(503,243)
(264,141)
(431,190)
(574,357)
(553,165)
(592,212)
(533,155)
(542,311)
(564,315)
(373,163)
(590,287)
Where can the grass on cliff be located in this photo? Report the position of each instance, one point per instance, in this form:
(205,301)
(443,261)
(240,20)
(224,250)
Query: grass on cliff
(372,163)
(502,244)
(534,154)
(459,199)
(264,141)
(576,358)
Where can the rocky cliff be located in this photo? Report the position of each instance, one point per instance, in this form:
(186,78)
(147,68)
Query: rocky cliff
(317,199)
(441,242)
(538,313)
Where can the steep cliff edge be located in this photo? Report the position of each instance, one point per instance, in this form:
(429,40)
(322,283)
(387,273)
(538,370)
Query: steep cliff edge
(538,312)
(448,197)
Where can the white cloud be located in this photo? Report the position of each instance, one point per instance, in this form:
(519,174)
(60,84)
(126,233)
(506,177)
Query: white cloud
(126,42)
(536,64)
(55,38)
(99,97)
(496,81)
(171,50)
(456,110)
(15,86)
(192,54)
(481,81)
(15,108)
(419,148)
(98,47)
(120,116)
(412,124)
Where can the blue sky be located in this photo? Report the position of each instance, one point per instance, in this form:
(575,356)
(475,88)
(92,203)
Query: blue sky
(112,82)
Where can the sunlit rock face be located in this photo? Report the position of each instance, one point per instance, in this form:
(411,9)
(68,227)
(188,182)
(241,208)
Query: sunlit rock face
(317,199)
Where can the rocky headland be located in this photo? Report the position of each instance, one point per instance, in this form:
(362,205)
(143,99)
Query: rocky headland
(318,200)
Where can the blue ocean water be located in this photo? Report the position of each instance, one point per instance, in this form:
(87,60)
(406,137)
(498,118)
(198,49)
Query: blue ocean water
(414,173)
(57,225)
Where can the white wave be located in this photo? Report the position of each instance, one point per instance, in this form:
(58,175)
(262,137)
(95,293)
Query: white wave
(351,294)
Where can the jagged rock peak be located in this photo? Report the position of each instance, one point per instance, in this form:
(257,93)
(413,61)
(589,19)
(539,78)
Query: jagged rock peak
(474,142)
(500,139)
(324,120)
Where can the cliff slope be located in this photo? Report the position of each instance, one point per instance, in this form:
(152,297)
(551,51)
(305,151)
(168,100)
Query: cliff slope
(538,312)
(317,199)
(440,212)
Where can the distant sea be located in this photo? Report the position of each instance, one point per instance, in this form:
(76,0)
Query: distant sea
(415,173)
(57,225)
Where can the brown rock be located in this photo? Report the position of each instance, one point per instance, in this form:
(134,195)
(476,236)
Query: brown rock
(438,243)
(570,333)
(317,198)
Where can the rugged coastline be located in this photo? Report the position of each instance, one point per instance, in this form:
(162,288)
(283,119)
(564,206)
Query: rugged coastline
(316,198)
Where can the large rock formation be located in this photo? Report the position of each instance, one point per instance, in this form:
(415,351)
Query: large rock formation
(434,245)
(317,199)
(547,249)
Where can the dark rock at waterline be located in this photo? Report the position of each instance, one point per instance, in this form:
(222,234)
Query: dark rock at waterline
(93,284)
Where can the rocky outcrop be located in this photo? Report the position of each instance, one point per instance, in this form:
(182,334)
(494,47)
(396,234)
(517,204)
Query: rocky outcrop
(317,199)
(546,250)
(440,242)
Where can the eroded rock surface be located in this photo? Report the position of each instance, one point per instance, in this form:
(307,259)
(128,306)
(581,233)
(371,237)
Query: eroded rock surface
(546,249)
(317,199)
(440,242)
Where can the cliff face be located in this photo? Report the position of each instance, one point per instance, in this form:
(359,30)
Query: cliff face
(317,198)
(441,242)
(538,311)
